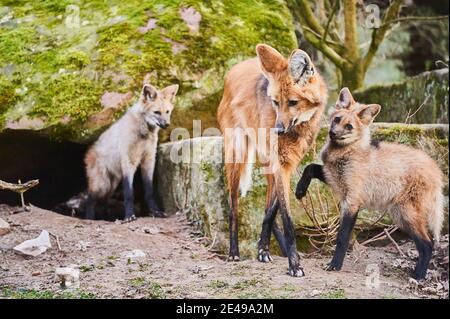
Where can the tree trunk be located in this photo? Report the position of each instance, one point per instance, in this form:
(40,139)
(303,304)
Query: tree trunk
(353,76)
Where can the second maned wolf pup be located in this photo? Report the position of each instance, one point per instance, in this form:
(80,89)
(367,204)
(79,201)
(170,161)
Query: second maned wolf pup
(390,177)
(128,143)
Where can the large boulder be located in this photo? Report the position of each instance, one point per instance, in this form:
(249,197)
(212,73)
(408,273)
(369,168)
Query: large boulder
(190,179)
(419,99)
(69,69)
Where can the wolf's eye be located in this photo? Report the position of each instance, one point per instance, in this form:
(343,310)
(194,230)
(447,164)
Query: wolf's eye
(276,103)
(167,112)
(348,127)
(292,102)
(157,112)
(337,120)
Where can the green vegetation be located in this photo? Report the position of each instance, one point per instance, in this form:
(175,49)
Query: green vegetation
(45,294)
(217,284)
(335,294)
(152,289)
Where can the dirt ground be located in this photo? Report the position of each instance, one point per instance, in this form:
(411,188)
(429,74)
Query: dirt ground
(178,264)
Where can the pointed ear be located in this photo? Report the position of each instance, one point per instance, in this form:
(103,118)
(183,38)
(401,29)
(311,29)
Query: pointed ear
(270,60)
(301,67)
(149,92)
(170,92)
(368,113)
(345,99)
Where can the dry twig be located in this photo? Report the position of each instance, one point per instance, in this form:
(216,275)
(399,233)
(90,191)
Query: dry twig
(393,241)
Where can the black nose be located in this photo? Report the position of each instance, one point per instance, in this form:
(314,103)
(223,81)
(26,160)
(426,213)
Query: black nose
(332,135)
(279,128)
(163,124)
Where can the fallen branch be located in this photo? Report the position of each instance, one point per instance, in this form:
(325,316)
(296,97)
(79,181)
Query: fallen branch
(379,236)
(393,241)
(18,188)
(57,240)
(213,242)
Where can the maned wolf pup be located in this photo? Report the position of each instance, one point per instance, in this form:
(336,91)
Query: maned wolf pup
(395,178)
(128,143)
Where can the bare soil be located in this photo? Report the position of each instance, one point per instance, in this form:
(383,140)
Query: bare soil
(178,264)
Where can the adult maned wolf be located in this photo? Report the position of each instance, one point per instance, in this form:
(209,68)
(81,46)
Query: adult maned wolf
(127,144)
(267,95)
(390,177)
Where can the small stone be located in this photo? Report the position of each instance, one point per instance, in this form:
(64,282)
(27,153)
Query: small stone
(314,293)
(429,290)
(4,227)
(136,253)
(68,277)
(151,230)
(413,282)
(83,245)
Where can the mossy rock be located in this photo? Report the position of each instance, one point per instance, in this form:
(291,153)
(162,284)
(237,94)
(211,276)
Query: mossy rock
(419,99)
(61,59)
(195,184)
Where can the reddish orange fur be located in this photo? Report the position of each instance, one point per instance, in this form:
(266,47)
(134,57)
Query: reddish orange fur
(245,104)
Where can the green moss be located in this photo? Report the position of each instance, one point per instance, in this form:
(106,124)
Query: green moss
(403,134)
(16,44)
(424,95)
(67,69)
(207,169)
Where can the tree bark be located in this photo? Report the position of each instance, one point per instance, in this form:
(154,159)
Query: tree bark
(353,75)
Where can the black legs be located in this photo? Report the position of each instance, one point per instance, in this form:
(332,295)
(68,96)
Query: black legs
(311,171)
(343,238)
(127,185)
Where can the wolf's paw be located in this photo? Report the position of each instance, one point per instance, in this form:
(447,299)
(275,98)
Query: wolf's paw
(300,192)
(296,271)
(129,219)
(234,256)
(89,217)
(419,275)
(332,266)
(264,256)
(158,213)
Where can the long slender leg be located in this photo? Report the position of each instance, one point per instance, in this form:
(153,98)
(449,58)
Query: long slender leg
(419,233)
(311,171)
(263,244)
(127,185)
(233,174)
(280,238)
(270,224)
(147,170)
(90,207)
(425,248)
(348,219)
(282,183)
